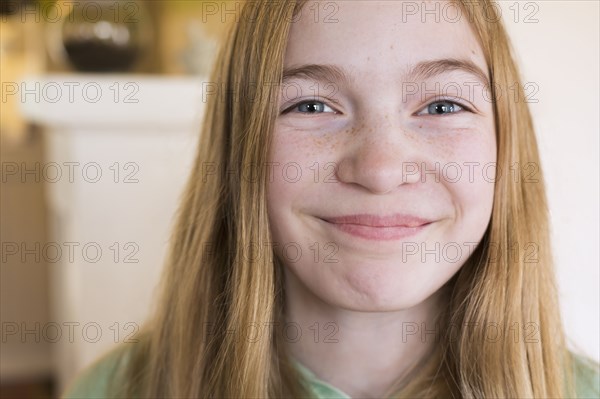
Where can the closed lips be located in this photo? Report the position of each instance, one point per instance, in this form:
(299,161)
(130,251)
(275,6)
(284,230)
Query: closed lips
(398,220)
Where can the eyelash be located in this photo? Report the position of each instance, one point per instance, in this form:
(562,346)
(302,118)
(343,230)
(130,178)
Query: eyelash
(438,101)
(291,107)
(444,101)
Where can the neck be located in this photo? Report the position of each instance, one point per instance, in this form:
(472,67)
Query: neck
(361,353)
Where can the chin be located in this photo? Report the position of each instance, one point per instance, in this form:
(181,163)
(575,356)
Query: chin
(371,298)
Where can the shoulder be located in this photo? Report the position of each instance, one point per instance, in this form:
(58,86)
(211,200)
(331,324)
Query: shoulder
(96,379)
(587,377)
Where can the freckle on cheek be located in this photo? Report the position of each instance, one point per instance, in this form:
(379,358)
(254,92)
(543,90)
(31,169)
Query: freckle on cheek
(318,142)
(335,144)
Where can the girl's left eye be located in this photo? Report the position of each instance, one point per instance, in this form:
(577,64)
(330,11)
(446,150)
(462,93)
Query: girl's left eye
(441,108)
(310,107)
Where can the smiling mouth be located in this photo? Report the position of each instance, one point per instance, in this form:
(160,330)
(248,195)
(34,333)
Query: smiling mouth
(379,228)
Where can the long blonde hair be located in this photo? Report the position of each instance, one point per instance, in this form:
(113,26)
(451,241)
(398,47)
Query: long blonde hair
(216,283)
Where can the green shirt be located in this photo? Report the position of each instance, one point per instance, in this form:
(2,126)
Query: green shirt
(95,380)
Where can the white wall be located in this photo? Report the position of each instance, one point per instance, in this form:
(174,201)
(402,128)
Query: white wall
(560,53)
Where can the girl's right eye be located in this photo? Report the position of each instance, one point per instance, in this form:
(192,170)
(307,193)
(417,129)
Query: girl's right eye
(310,107)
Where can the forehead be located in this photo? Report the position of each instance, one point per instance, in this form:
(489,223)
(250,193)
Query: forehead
(384,34)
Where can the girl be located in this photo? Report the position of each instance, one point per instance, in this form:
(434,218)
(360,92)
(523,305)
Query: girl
(351,227)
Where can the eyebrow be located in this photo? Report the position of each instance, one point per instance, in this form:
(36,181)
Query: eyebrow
(428,69)
(423,70)
(320,72)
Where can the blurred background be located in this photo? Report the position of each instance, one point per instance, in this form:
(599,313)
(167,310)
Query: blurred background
(101,107)
(100,113)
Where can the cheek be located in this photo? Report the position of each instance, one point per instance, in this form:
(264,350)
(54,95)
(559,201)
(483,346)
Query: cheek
(300,160)
(476,143)
(290,180)
(285,169)
(469,177)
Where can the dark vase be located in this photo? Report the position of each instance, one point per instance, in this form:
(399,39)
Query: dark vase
(105,35)
(11,7)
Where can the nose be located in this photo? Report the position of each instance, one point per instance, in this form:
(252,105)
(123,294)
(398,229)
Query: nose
(383,158)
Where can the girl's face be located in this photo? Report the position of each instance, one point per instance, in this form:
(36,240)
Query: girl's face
(384,114)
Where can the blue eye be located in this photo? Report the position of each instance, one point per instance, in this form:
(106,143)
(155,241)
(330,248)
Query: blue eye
(310,107)
(441,108)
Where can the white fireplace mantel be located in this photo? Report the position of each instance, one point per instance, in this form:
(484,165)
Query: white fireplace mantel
(112,101)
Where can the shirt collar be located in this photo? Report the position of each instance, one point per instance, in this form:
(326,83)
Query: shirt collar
(320,388)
